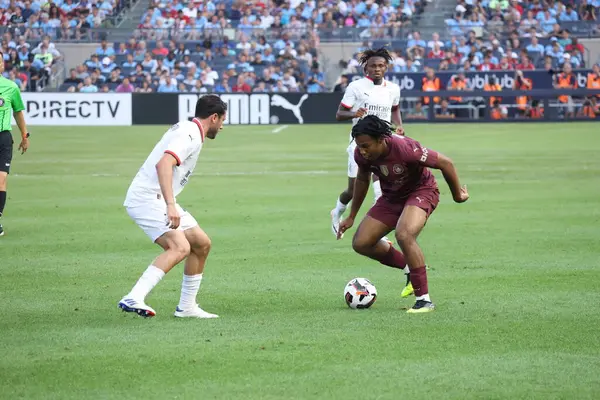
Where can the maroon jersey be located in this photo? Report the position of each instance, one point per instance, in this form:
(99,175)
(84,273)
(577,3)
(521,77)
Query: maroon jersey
(403,170)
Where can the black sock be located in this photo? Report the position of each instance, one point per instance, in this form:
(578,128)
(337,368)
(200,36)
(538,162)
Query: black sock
(2,201)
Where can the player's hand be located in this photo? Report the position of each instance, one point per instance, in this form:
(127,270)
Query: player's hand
(24,145)
(173,216)
(462,196)
(344,226)
(400,131)
(361,112)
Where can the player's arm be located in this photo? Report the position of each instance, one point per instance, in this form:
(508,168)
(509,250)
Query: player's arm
(344,112)
(396,115)
(445,164)
(18,108)
(164,171)
(433,159)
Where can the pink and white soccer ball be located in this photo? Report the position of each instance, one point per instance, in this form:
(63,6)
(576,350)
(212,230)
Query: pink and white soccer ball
(360,293)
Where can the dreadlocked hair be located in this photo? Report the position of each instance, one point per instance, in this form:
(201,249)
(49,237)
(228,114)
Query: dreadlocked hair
(373,126)
(380,52)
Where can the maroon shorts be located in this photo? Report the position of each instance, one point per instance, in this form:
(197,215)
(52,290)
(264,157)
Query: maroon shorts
(389,213)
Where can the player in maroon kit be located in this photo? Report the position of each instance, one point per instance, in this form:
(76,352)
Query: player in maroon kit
(410,194)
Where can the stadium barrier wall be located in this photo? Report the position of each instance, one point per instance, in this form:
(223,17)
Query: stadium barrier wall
(125,109)
(477,80)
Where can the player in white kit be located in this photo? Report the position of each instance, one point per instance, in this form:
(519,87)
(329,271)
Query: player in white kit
(151,203)
(371,95)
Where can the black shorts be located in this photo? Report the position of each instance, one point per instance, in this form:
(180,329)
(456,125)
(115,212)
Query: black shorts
(6,150)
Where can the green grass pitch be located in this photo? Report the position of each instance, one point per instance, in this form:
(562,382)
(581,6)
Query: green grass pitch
(515,272)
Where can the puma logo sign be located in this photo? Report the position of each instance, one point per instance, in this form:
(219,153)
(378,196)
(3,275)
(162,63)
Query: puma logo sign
(280,101)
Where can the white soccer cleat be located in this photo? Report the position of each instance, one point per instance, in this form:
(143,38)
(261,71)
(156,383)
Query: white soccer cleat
(335,223)
(138,307)
(196,312)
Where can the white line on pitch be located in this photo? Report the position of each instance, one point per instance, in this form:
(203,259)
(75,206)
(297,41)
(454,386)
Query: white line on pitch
(225,173)
(280,128)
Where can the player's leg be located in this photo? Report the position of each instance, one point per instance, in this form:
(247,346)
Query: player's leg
(380,220)
(3,179)
(6,150)
(151,218)
(346,196)
(367,241)
(176,249)
(341,205)
(414,217)
(192,275)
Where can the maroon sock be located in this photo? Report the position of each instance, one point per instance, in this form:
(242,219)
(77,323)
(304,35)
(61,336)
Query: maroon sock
(393,258)
(418,278)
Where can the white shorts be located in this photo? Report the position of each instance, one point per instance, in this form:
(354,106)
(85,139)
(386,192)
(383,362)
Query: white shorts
(152,218)
(352,165)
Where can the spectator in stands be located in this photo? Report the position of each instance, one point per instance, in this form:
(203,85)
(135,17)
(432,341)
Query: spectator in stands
(168,86)
(589,109)
(125,86)
(418,112)
(536,110)
(444,111)
(105,50)
(73,79)
(88,87)
(498,112)
(525,64)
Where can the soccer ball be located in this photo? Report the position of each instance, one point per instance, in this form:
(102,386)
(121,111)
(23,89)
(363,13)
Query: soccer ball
(360,293)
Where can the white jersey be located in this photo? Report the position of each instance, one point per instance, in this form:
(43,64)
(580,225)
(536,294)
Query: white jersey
(183,141)
(377,99)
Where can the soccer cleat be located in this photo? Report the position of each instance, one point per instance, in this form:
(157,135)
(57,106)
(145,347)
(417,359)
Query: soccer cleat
(421,306)
(408,289)
(196,312)
(335,223)
(1,230)
(138,307)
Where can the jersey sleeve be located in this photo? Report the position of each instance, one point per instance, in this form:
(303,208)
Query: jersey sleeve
(350,99)
(182,145)
(413,152)
(16,100)
(396,98)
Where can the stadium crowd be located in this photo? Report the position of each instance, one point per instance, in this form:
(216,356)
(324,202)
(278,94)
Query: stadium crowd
(186,47)
(29,29)
(270,46)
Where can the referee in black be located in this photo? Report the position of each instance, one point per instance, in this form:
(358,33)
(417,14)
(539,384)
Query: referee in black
(10,102)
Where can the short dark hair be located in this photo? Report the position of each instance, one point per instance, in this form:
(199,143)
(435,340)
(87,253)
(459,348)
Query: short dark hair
(373,126)
(208,105)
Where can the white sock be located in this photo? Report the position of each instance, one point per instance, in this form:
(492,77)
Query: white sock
(406,270)
(340,208)
(377,190)
(424,297)
(189,289)
(146,283)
